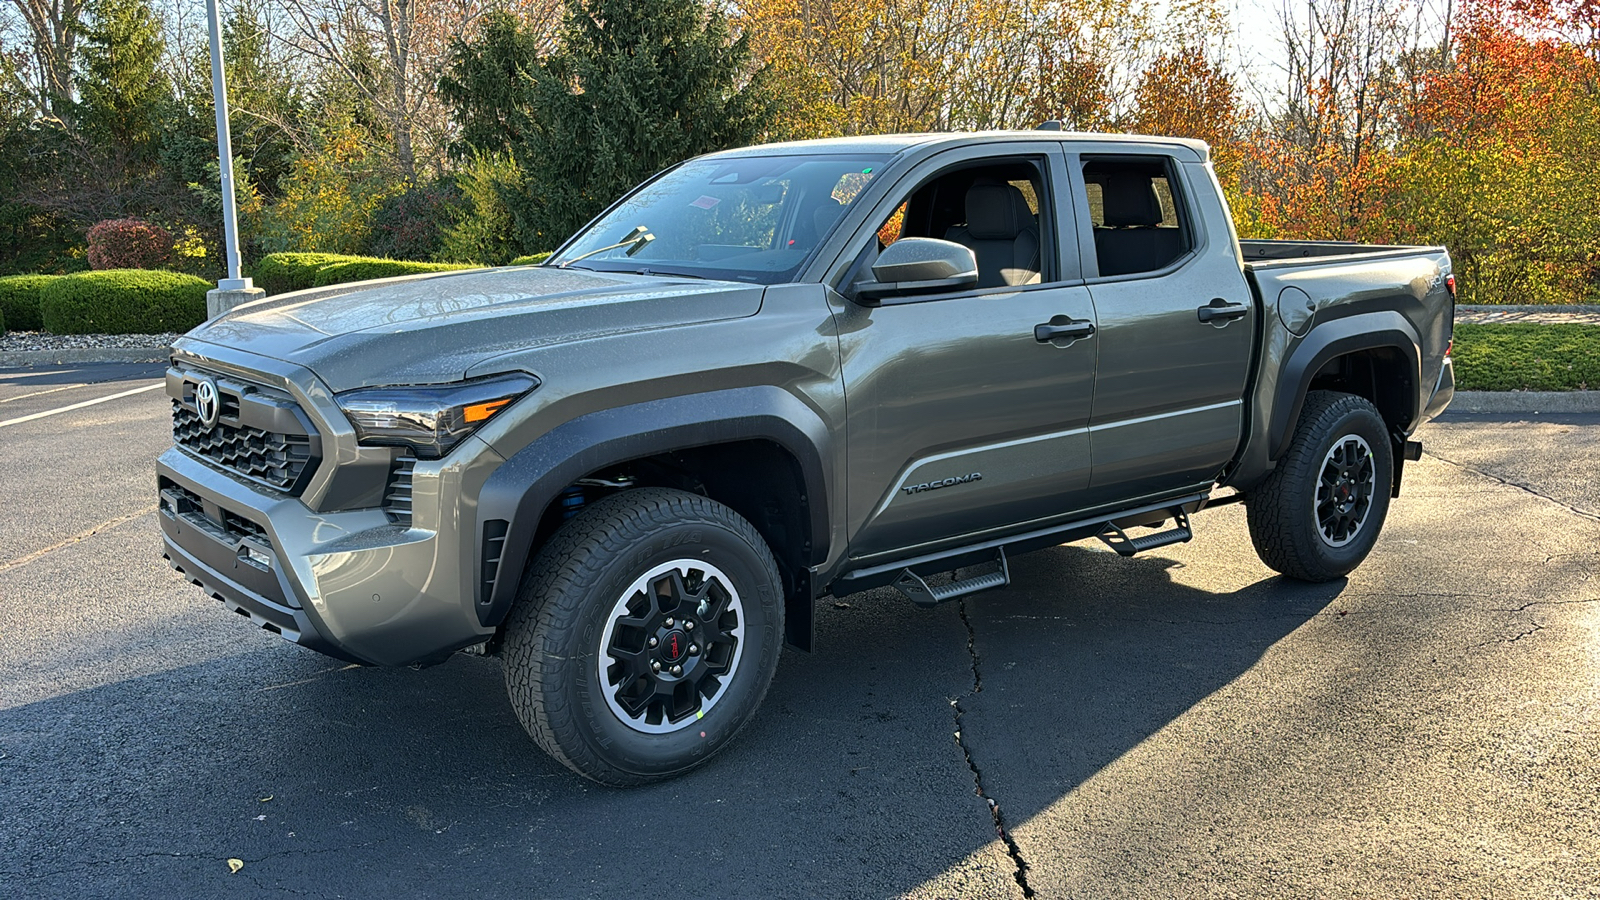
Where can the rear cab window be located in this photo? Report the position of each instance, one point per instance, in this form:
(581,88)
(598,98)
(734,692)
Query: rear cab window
(1136,216)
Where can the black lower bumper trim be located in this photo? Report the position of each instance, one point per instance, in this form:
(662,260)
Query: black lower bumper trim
(291,624)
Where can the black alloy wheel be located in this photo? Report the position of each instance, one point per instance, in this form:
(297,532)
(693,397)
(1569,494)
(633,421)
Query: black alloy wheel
(645,635)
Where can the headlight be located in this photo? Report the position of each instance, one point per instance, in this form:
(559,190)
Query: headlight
(433,418)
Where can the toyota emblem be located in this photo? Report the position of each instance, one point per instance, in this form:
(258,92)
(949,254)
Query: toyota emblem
(206,402)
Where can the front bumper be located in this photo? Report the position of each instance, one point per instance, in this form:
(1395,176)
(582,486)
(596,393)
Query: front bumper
(349,584)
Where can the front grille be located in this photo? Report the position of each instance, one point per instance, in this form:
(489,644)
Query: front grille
(263,456)
(260,434)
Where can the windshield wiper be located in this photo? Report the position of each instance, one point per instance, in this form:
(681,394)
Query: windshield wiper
(667,274)
(636,240)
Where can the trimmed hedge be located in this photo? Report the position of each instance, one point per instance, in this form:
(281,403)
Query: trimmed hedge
(368,269)
(532,259)
(123,301)
(279,273)
(19,300)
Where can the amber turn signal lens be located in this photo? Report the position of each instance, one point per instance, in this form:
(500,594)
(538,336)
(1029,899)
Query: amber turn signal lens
(478,412)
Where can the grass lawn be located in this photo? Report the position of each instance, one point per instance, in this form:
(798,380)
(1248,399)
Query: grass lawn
(1524,357)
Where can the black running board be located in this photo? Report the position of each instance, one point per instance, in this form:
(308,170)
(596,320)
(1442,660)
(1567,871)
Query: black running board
(868,577)
(1119,540)
(918,591)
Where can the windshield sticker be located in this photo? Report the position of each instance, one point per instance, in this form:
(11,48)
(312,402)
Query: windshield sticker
(705,202)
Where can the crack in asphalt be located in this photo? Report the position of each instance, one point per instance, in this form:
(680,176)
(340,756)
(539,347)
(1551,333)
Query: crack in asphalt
(1509,483)
(1537,627)
(1531,603)
(78,538)
(1021,871)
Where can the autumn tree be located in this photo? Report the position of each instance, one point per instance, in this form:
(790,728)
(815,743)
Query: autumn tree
(45,72)
(392,53)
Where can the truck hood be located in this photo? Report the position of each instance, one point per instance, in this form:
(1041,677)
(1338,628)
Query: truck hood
(433,328)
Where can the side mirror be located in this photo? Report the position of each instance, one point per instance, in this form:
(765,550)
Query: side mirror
(920,265)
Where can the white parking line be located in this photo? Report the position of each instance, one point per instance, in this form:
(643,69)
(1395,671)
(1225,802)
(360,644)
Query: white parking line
(51,412)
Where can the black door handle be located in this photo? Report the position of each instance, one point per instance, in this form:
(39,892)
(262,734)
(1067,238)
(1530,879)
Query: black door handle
(1220,310)
(1062,328)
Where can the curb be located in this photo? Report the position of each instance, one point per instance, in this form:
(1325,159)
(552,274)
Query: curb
(1525,308)
(20,358)
(1525,402)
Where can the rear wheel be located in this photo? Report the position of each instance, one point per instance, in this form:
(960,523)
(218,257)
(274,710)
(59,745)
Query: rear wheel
(646,636)
(1317,516)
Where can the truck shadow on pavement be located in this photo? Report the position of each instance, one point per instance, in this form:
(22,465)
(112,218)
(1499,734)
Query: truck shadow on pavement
(850,783)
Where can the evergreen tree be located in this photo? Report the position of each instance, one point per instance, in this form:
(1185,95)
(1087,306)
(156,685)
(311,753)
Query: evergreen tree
(489,85)
(122,90)
(636,86)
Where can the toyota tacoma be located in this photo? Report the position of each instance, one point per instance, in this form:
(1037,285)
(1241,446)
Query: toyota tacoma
(778,373)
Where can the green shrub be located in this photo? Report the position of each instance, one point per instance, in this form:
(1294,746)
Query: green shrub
(123,301)
(481,226)
(279,273)
(532,259)
(368,269)
(2,322)
(19,300)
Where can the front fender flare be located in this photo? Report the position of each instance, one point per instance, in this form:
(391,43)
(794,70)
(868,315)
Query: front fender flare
(519,491)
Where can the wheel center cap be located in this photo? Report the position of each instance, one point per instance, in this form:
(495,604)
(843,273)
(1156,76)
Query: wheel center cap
(674,646)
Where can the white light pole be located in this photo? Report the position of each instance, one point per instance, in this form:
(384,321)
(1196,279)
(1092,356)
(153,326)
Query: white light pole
(233,290)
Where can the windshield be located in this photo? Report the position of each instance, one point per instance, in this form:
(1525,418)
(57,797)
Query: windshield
(748,218)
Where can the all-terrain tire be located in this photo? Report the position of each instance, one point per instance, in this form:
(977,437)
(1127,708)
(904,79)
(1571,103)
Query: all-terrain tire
(569,641)
(1318,515)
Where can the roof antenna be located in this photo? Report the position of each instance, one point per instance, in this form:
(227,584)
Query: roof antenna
(1051,125)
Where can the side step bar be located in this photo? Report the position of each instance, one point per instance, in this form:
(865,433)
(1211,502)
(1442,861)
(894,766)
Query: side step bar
(918,591)
(1118,540)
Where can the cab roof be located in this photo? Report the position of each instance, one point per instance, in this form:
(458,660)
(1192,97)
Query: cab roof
(929,142)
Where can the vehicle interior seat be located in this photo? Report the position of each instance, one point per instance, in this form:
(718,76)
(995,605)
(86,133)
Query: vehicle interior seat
(1133,239)
(1002,233)
(813,221)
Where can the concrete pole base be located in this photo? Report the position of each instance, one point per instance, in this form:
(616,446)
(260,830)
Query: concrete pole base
(221,300)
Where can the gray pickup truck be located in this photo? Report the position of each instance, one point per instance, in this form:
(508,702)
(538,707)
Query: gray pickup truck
(778,373)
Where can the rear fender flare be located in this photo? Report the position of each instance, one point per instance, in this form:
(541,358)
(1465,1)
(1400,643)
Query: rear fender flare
(1328,341)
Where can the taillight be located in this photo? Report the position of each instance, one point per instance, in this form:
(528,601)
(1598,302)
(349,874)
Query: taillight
(1450,285)
(1449,346)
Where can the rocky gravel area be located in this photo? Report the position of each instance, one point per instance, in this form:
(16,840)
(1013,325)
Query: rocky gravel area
(42,340)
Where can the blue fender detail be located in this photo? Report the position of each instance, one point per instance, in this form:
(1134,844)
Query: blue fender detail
(1384,329)
(520,490)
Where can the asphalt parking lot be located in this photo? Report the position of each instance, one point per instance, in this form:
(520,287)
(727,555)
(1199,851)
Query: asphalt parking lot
(1180,724)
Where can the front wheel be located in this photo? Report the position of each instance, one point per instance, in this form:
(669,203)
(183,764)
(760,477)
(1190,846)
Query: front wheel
(1317,516)
(646,637)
